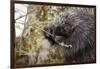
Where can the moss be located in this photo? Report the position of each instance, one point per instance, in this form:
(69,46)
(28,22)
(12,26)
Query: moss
(41,17)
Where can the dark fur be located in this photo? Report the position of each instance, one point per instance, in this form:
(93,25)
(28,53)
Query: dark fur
(76,28)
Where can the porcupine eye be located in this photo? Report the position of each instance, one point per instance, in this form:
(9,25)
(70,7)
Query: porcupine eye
(64,31)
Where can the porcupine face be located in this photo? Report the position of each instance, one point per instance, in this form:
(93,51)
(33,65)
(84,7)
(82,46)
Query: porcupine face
(73,28)
(60,30)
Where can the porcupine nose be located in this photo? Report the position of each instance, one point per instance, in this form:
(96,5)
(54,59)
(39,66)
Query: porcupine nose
(46,32)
